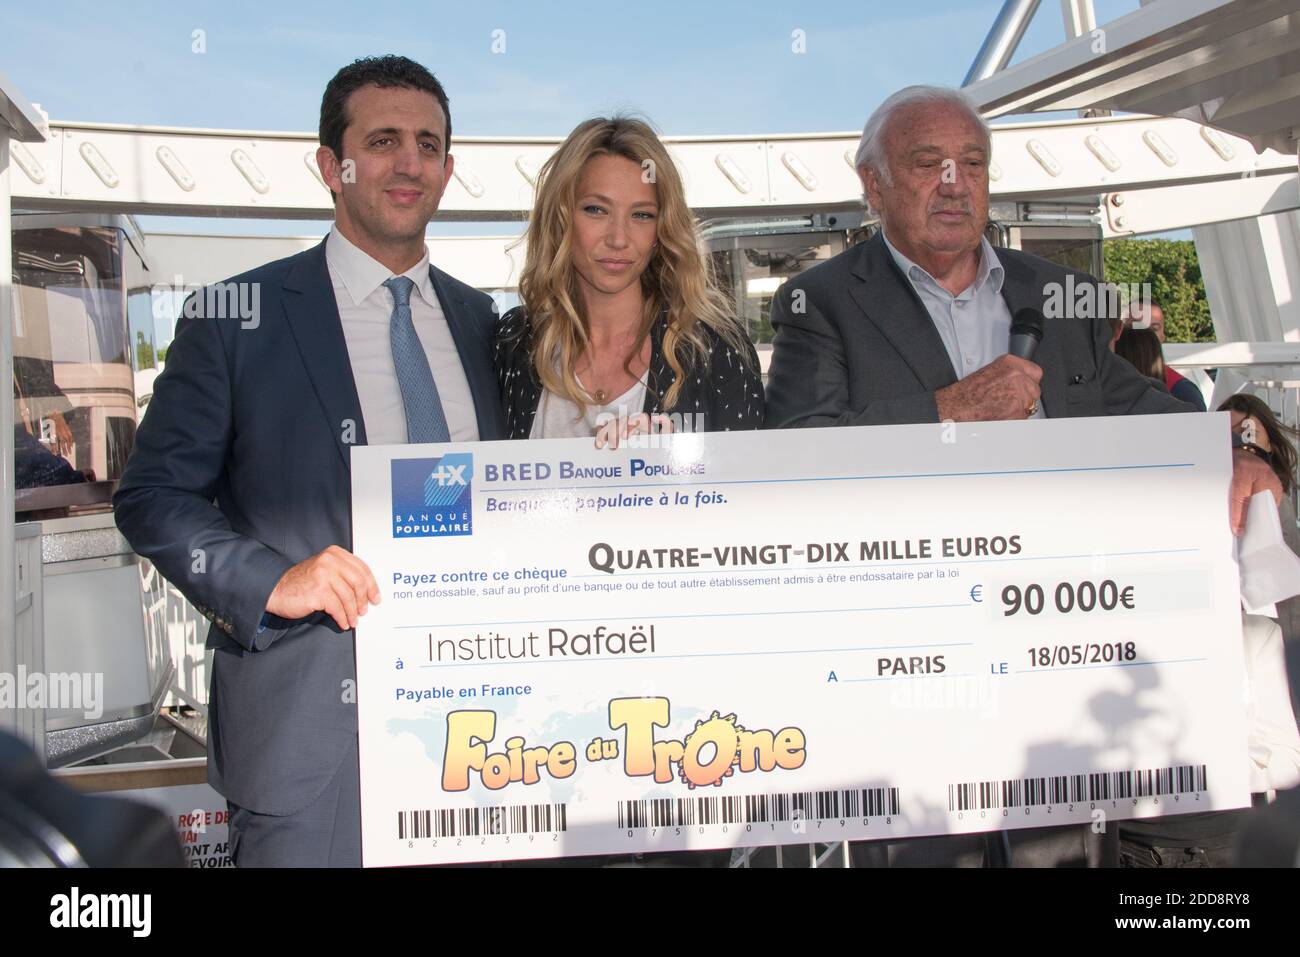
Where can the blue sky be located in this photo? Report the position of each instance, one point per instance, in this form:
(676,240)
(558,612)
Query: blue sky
(708,66)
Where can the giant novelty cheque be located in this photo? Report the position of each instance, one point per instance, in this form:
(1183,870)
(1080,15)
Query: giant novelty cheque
(792,637)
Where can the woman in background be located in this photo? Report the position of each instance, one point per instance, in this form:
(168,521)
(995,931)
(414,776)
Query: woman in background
(1264,435)
(621,329)
(1210,839)
(1141,347)
(1274,442)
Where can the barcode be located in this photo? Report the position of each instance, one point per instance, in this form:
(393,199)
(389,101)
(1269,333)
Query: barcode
(758,808)
(482,821)
(1075,788)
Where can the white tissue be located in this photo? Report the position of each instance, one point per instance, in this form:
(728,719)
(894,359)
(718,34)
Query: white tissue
(1270,571)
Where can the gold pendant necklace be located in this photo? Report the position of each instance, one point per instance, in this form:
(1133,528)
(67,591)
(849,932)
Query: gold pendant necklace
(600,395)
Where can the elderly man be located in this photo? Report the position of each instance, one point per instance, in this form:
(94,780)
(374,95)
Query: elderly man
(913,326)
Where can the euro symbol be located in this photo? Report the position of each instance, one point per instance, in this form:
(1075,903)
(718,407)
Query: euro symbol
(975,593)
(1126,597)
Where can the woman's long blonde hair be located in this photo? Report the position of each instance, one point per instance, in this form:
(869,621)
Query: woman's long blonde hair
(677,279)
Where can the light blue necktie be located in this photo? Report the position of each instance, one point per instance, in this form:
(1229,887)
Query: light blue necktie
(425,420)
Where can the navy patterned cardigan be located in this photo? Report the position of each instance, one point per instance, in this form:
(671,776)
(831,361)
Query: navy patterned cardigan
(728,394)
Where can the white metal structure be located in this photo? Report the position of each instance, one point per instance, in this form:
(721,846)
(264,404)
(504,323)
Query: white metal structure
(1233,65)
(265,175)
(1132,175)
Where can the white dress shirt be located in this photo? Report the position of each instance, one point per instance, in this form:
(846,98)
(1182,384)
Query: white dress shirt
(975,325)
(366,309)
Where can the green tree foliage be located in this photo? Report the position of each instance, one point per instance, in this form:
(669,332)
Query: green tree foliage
(144,354)
(1172,269)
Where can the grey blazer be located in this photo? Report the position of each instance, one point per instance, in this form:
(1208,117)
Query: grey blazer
(864,350)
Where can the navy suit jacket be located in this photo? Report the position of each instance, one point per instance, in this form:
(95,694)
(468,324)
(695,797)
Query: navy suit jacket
(241,470)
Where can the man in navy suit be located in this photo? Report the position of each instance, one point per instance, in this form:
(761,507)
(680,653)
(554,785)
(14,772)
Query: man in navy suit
(239,486)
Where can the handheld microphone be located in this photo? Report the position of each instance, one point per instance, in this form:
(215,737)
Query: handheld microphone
(1026,332)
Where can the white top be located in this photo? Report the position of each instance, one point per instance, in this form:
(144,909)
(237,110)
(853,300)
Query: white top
(558,418)
(365,309)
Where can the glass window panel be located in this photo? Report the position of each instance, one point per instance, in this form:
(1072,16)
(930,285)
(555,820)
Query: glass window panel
(74,399)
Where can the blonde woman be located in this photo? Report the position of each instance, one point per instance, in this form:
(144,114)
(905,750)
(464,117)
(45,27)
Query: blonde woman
(621,330)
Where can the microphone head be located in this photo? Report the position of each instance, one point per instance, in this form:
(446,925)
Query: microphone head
(1028,321)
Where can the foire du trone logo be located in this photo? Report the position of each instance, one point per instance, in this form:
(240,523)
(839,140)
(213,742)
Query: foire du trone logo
(432,497)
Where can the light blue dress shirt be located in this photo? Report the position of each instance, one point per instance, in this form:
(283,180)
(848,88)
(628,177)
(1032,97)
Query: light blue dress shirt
(975,325)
